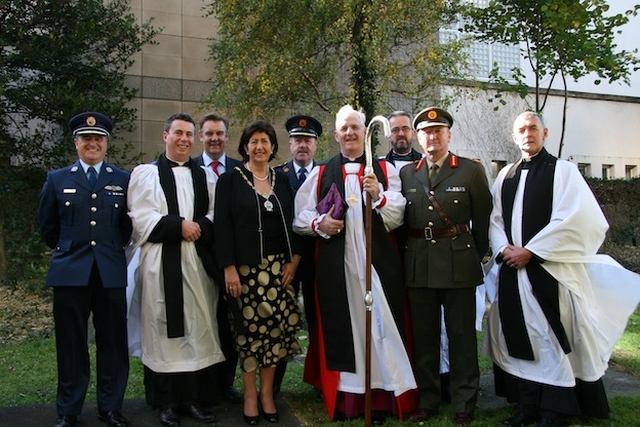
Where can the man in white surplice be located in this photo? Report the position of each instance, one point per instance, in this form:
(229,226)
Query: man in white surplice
(171,207)
(559,307)
(336,362)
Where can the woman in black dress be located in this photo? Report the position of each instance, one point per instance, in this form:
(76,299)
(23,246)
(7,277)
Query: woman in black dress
(259,254)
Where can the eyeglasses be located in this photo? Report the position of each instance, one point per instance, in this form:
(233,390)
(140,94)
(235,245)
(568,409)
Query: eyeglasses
(404,129)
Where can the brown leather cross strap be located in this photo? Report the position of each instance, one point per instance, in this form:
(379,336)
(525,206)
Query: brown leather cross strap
(437,207)
(429,233)
(450,230)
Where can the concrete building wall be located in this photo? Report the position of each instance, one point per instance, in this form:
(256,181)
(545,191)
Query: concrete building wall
(603,121)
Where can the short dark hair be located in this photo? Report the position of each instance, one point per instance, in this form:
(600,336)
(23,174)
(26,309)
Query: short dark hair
(178,116)
(215,117)
(254,127)
(400,113)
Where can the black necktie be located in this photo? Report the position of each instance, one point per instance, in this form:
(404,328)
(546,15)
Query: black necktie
(92,175)
(302,175)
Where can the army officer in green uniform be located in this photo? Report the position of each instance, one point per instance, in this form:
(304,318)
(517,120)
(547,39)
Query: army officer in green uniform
(447,215)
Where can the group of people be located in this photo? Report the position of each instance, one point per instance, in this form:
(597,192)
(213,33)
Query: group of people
(219,250)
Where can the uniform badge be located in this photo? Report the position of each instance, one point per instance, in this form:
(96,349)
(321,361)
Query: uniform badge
(69,191)
(302,123)
(432,115)
(109,169)
(74,169)
(91,121)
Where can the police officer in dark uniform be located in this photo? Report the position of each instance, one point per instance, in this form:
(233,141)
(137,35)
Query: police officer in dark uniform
(447,215)
(304,132)
(83,218)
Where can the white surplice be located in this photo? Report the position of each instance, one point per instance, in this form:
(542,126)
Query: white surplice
(596,294)
(199,348)
(390,366)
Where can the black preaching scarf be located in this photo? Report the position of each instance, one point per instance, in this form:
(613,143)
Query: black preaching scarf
(168,231)
(332,293)
(537,210)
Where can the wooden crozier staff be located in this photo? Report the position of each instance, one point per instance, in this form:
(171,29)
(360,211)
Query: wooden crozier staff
(368,297)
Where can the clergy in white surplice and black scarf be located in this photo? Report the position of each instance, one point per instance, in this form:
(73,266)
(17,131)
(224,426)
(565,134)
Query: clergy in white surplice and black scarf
(559,308)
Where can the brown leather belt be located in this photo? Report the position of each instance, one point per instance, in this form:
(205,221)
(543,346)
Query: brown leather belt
(429,233)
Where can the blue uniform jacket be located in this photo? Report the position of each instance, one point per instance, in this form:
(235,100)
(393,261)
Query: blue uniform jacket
(84,226)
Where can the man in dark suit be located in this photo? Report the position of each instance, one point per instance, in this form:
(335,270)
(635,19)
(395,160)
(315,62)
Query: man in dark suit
(83,218)
(447,216)
(304,132)
(214,134)
(402,139)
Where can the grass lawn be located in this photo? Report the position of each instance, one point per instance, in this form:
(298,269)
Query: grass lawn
(28,372)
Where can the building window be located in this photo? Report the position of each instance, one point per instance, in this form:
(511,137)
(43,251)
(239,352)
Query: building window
(630,171)
(585,169)
(496,166)
(483,56)
(607,172)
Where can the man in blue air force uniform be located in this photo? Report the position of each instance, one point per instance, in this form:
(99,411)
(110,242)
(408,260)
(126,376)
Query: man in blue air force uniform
(83,218)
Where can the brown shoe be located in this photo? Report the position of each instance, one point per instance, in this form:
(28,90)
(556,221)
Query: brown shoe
(463,419)
(421,414)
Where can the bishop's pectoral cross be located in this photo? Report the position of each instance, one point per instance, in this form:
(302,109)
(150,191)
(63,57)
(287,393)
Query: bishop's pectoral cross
(352,200)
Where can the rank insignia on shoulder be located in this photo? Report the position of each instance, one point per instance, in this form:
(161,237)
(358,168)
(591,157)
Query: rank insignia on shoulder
(74,169)
(109,169)
(453,161)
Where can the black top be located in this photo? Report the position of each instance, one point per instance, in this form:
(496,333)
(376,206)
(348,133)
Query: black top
(244,231)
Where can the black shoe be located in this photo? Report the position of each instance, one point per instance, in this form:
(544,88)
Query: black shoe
(520,419)
(378,418)
(113,418)
(272,418)
(340,416)
(252,421)
(232,396)
(546,421)
(463,419)
(201,415)
(421,415)
(66,421)
(169,417)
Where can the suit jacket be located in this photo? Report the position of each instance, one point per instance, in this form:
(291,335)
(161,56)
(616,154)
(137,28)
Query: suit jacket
(463,192)
(84,226)
(228,164)
(290,171)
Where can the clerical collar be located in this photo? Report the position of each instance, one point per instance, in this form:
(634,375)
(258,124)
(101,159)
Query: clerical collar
(527,162)
(346,159)
(173,163)
(405,157)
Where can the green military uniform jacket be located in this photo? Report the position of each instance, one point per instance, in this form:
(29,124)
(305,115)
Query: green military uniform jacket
(462,191)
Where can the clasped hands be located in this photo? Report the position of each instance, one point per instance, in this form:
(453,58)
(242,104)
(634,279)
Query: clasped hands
(516,257)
